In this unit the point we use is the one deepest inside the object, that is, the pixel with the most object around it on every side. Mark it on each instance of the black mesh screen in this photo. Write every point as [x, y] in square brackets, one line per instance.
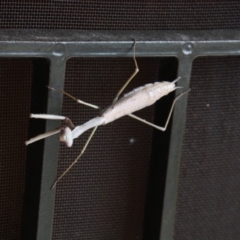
[15, 92]
[120, 15]
[208, 199]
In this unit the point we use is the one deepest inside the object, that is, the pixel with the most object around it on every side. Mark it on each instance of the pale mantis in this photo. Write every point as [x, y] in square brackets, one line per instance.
[133, 101]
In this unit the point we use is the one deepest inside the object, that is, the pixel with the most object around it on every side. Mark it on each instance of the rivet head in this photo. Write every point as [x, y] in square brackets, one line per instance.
[187, 48]
[58, 49]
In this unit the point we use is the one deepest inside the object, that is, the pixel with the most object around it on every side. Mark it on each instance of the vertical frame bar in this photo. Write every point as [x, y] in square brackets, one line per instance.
[178, 127]
[50, 157]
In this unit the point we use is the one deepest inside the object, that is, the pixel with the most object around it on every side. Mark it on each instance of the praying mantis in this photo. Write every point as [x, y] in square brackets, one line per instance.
[133, 101]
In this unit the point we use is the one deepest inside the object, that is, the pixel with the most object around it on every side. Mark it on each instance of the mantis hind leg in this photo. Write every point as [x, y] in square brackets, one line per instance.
[168, 119]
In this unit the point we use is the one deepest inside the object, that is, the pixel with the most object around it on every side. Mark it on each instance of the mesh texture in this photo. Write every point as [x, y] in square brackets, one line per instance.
[208, 199]
[120, 15]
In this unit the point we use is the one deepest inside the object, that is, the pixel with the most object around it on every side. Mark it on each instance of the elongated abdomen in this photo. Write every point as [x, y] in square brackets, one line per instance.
[138, 99]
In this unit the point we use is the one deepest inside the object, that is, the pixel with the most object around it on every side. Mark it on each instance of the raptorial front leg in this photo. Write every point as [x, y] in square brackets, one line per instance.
[53, 117]
[52, 132]
[42, 136]
[131, 77]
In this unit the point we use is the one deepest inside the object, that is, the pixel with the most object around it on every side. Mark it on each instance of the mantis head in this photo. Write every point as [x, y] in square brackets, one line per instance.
[66, 136]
